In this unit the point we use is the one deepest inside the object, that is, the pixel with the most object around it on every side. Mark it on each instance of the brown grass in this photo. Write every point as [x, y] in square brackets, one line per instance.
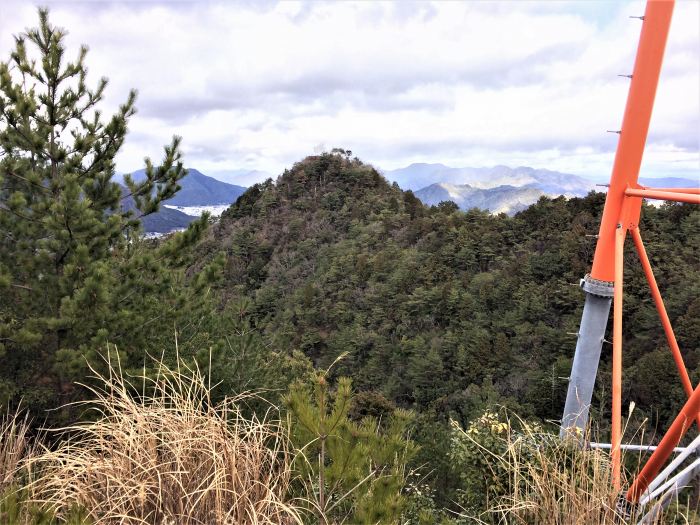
[171, 456]
[554, 482]
[15, 446]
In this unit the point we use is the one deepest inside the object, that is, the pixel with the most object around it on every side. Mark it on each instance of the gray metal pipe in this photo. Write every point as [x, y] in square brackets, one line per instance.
[591, 335]
[634, 448]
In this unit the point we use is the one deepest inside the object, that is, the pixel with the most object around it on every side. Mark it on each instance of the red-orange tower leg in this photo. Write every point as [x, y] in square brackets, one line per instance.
[616, 430]
[620, 210]
[633, 135]
[621, 213]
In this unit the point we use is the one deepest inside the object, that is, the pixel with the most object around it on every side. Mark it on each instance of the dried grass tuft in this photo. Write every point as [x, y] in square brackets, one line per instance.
[168, 456]
[15, 446]
[555, 482]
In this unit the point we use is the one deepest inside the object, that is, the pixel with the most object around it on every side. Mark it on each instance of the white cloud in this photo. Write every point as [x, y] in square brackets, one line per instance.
[464, 83]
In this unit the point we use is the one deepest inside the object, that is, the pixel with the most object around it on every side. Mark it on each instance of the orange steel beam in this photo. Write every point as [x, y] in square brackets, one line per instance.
[616, 439]
[633, 135]
[663, 195]
[665, 321]
[673, 436]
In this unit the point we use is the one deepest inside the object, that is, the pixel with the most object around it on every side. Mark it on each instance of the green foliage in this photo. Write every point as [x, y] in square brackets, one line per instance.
[514, 471]
[74, 272]
[353, 471]
[450, 313]
[478, 457]
[440, 312]
[246, 360]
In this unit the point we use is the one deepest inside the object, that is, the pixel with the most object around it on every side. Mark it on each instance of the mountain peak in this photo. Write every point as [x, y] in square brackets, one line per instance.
[198, 189]
[332, 171]
[327, 184]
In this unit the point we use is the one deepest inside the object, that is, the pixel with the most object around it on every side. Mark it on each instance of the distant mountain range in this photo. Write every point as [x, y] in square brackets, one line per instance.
[198, 192]
[418, 176]
[670, 182]
[502, 199]
[500, 189]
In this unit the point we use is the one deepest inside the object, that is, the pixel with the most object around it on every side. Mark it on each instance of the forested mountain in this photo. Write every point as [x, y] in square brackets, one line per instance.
[447, 312]
[502, 199]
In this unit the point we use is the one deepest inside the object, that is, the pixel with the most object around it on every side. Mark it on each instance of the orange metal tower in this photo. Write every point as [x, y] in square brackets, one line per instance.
[620, 216]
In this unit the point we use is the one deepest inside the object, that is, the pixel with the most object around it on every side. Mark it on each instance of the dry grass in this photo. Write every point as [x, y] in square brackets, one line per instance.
[170, 456]
[554, 482]
[15, 446]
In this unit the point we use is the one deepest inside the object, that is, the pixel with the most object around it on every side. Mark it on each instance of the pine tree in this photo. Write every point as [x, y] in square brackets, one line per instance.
[72, 266]
[353, 471]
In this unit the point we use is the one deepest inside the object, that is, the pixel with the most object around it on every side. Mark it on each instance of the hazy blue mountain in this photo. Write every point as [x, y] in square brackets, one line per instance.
[163, 221]
[420, 175]
[417, 176]
[669, 182]
[502, 199]
[200, 190]
[243, 177]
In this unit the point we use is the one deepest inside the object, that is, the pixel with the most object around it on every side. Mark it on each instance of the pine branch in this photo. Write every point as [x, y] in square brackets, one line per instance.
[43, 188]
[21, 216]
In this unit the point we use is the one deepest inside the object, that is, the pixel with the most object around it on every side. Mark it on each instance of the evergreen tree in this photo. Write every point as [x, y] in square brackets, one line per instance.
[72, 265]
[353, 471]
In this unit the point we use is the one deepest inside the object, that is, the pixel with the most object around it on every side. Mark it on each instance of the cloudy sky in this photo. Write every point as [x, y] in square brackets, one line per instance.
[259, 85]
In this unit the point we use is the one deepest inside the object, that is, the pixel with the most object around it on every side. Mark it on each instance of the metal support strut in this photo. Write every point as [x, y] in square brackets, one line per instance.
[591, 335]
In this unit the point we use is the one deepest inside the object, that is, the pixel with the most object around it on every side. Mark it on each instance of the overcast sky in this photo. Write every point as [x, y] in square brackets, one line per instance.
[259, 85]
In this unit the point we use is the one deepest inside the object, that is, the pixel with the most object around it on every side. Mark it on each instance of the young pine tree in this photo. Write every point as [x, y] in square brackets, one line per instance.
[72, 266]
[352, 471]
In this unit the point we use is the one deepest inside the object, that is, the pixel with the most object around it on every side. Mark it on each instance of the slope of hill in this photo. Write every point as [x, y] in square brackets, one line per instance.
[502, 199]
[166, 220]
[418, 176]
[336, 261]
[200, 190]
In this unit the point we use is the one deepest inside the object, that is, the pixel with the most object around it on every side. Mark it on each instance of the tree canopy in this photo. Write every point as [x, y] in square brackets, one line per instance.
[74, 274]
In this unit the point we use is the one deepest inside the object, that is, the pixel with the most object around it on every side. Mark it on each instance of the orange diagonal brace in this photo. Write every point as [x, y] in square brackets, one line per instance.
[665, 321]
[616, 440]
[664, 195]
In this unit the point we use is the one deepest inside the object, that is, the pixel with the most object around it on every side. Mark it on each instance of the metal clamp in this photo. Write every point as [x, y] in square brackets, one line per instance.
[596, 287]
